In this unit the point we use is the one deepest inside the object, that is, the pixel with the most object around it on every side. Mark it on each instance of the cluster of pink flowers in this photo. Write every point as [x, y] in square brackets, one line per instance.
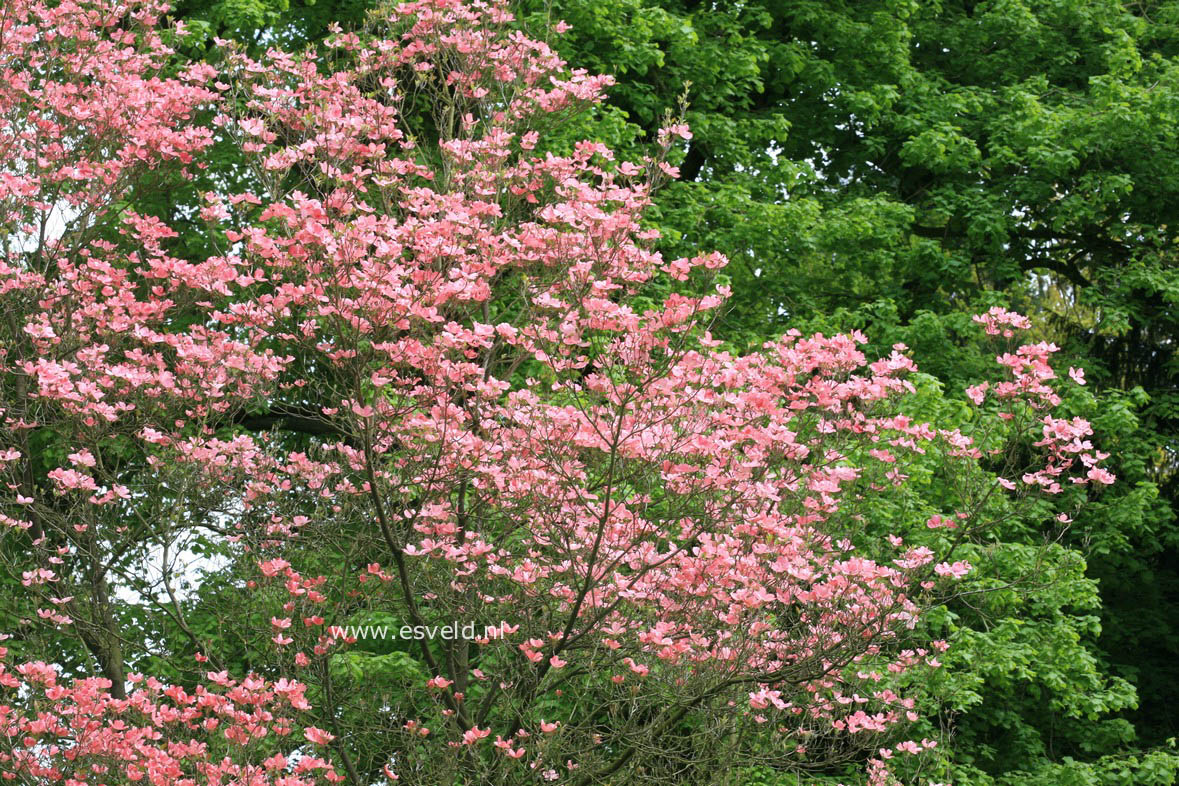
[1064, 441]
[75, 732]
[1000, 321]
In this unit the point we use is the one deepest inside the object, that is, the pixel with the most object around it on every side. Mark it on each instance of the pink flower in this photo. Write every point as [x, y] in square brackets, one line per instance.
[273, 567]
[317, 736]
[977, 393]
[957, 569]
[474, 734]
[1100, 475]
[997, 319]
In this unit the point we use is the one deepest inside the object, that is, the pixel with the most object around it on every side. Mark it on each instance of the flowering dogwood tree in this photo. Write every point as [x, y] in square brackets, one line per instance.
[438, 374]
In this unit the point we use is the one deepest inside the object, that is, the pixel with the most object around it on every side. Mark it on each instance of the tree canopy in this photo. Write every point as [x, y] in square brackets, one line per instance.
[880, 169]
